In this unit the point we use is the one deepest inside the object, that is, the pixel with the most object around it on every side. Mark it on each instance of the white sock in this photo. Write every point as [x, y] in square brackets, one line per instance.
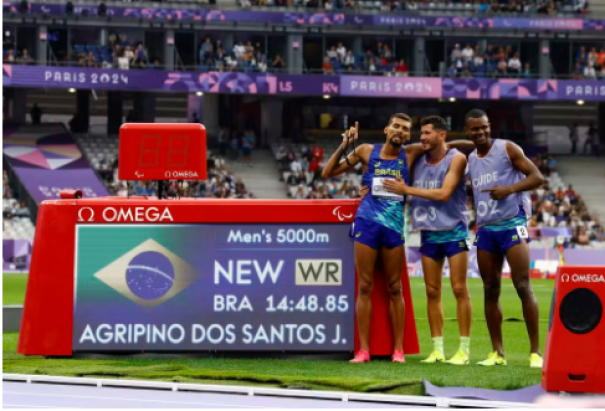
[465, 345]
[438, 344]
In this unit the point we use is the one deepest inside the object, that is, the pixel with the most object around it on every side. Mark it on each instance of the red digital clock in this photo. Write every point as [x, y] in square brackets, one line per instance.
[162, 152]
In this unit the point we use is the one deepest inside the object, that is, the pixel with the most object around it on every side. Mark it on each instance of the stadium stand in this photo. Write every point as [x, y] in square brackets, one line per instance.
[247, 58]
[16, 223]
[299, 166]
[462, 7]
[102, 153]
[119, 53]
[559, 205]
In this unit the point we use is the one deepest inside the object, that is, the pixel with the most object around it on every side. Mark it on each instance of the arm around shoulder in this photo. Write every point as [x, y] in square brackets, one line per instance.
[465, 146]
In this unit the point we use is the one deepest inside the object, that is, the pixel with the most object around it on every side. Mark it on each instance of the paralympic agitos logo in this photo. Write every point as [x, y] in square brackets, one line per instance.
[126, 214]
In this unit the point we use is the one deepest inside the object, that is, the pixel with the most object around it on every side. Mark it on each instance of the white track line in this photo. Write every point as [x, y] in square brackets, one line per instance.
[29, 394]
[33, 406]
[264, 392]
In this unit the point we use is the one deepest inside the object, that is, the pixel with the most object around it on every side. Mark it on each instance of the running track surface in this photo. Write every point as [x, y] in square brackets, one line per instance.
[22, 395]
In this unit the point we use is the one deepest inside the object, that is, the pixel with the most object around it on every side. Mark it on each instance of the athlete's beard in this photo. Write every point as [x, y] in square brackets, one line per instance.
[394, 144]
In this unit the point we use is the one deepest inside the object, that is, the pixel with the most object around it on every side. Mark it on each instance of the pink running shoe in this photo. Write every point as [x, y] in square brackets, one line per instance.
[361, 357]
[398, 357]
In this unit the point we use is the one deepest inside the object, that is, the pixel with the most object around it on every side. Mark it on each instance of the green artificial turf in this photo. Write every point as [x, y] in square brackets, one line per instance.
[13, 288]
[377, 376]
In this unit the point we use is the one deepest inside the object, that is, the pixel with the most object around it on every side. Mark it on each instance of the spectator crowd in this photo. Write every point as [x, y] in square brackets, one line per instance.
[550, 7]
[246, 57]
[589, 65]
[300, 168]
[560, 207]
[377, 60]
[22, 59]
[120, 53]
[13, 209]
[498, 62]
[221, 183]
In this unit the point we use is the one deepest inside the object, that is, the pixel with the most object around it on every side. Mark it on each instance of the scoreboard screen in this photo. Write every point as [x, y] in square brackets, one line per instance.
[188, 287]
[162, 152]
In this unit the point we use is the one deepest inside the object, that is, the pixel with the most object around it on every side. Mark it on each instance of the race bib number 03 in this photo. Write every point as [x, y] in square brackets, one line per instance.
[522, 231]
[378, 190]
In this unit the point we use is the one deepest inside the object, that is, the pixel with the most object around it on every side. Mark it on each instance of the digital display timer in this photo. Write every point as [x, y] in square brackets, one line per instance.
[162, 152]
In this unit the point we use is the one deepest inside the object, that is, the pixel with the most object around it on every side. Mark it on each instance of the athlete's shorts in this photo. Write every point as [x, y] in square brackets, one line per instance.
[498, 242]
[374, 235]
[437, 251]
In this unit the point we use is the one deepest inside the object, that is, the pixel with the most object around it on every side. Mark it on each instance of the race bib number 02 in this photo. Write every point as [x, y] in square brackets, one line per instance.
[378, 190]
[522, 231]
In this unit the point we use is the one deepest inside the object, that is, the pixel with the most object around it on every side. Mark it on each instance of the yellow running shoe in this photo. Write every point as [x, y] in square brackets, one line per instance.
[460, 358]
[436, 356]
[493, 359]
[535, 361]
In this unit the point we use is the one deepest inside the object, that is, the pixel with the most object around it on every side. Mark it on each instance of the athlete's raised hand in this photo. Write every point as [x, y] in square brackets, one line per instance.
[350, 135]
[397, 185]
[498, 192]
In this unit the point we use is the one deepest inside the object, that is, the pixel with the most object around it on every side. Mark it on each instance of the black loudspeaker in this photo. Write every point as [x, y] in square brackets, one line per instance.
[102, 12]
[69, 8]
[574, 358]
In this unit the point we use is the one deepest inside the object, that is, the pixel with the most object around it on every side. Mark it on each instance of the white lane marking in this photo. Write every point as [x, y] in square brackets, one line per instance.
[33, 406]
[131, 399]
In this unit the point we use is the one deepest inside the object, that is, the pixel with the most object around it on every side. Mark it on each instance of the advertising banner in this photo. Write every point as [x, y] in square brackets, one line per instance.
[48, 164]
[544, 260]
[373, 86]
[186, 287]
[160, 80]
[335, 18]
[302, 85]
[16, 254]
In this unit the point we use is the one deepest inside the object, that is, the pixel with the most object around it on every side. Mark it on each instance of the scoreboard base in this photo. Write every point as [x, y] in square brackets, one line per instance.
[123, 275]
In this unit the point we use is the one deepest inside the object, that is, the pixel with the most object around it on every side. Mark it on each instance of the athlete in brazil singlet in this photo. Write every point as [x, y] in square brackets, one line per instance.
[379, 219]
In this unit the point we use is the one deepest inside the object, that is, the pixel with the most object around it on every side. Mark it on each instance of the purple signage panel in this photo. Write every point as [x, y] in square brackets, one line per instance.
[16, 254]
[320, 18]
[46, 165]
[220, 287]
[302, 85]
[542, 24]
[48, 184]
[538, 257]
[185, 81]
[371, 86]
[430, 22]
[191, 14]
[496, 89]
[581, 90]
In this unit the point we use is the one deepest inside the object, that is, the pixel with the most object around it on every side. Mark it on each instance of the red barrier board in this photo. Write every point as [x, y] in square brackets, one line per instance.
[48, 316]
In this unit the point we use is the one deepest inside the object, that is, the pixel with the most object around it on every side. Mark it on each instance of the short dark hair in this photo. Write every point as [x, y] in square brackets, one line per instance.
[438, 123]
[400, 116]
[475, 113]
